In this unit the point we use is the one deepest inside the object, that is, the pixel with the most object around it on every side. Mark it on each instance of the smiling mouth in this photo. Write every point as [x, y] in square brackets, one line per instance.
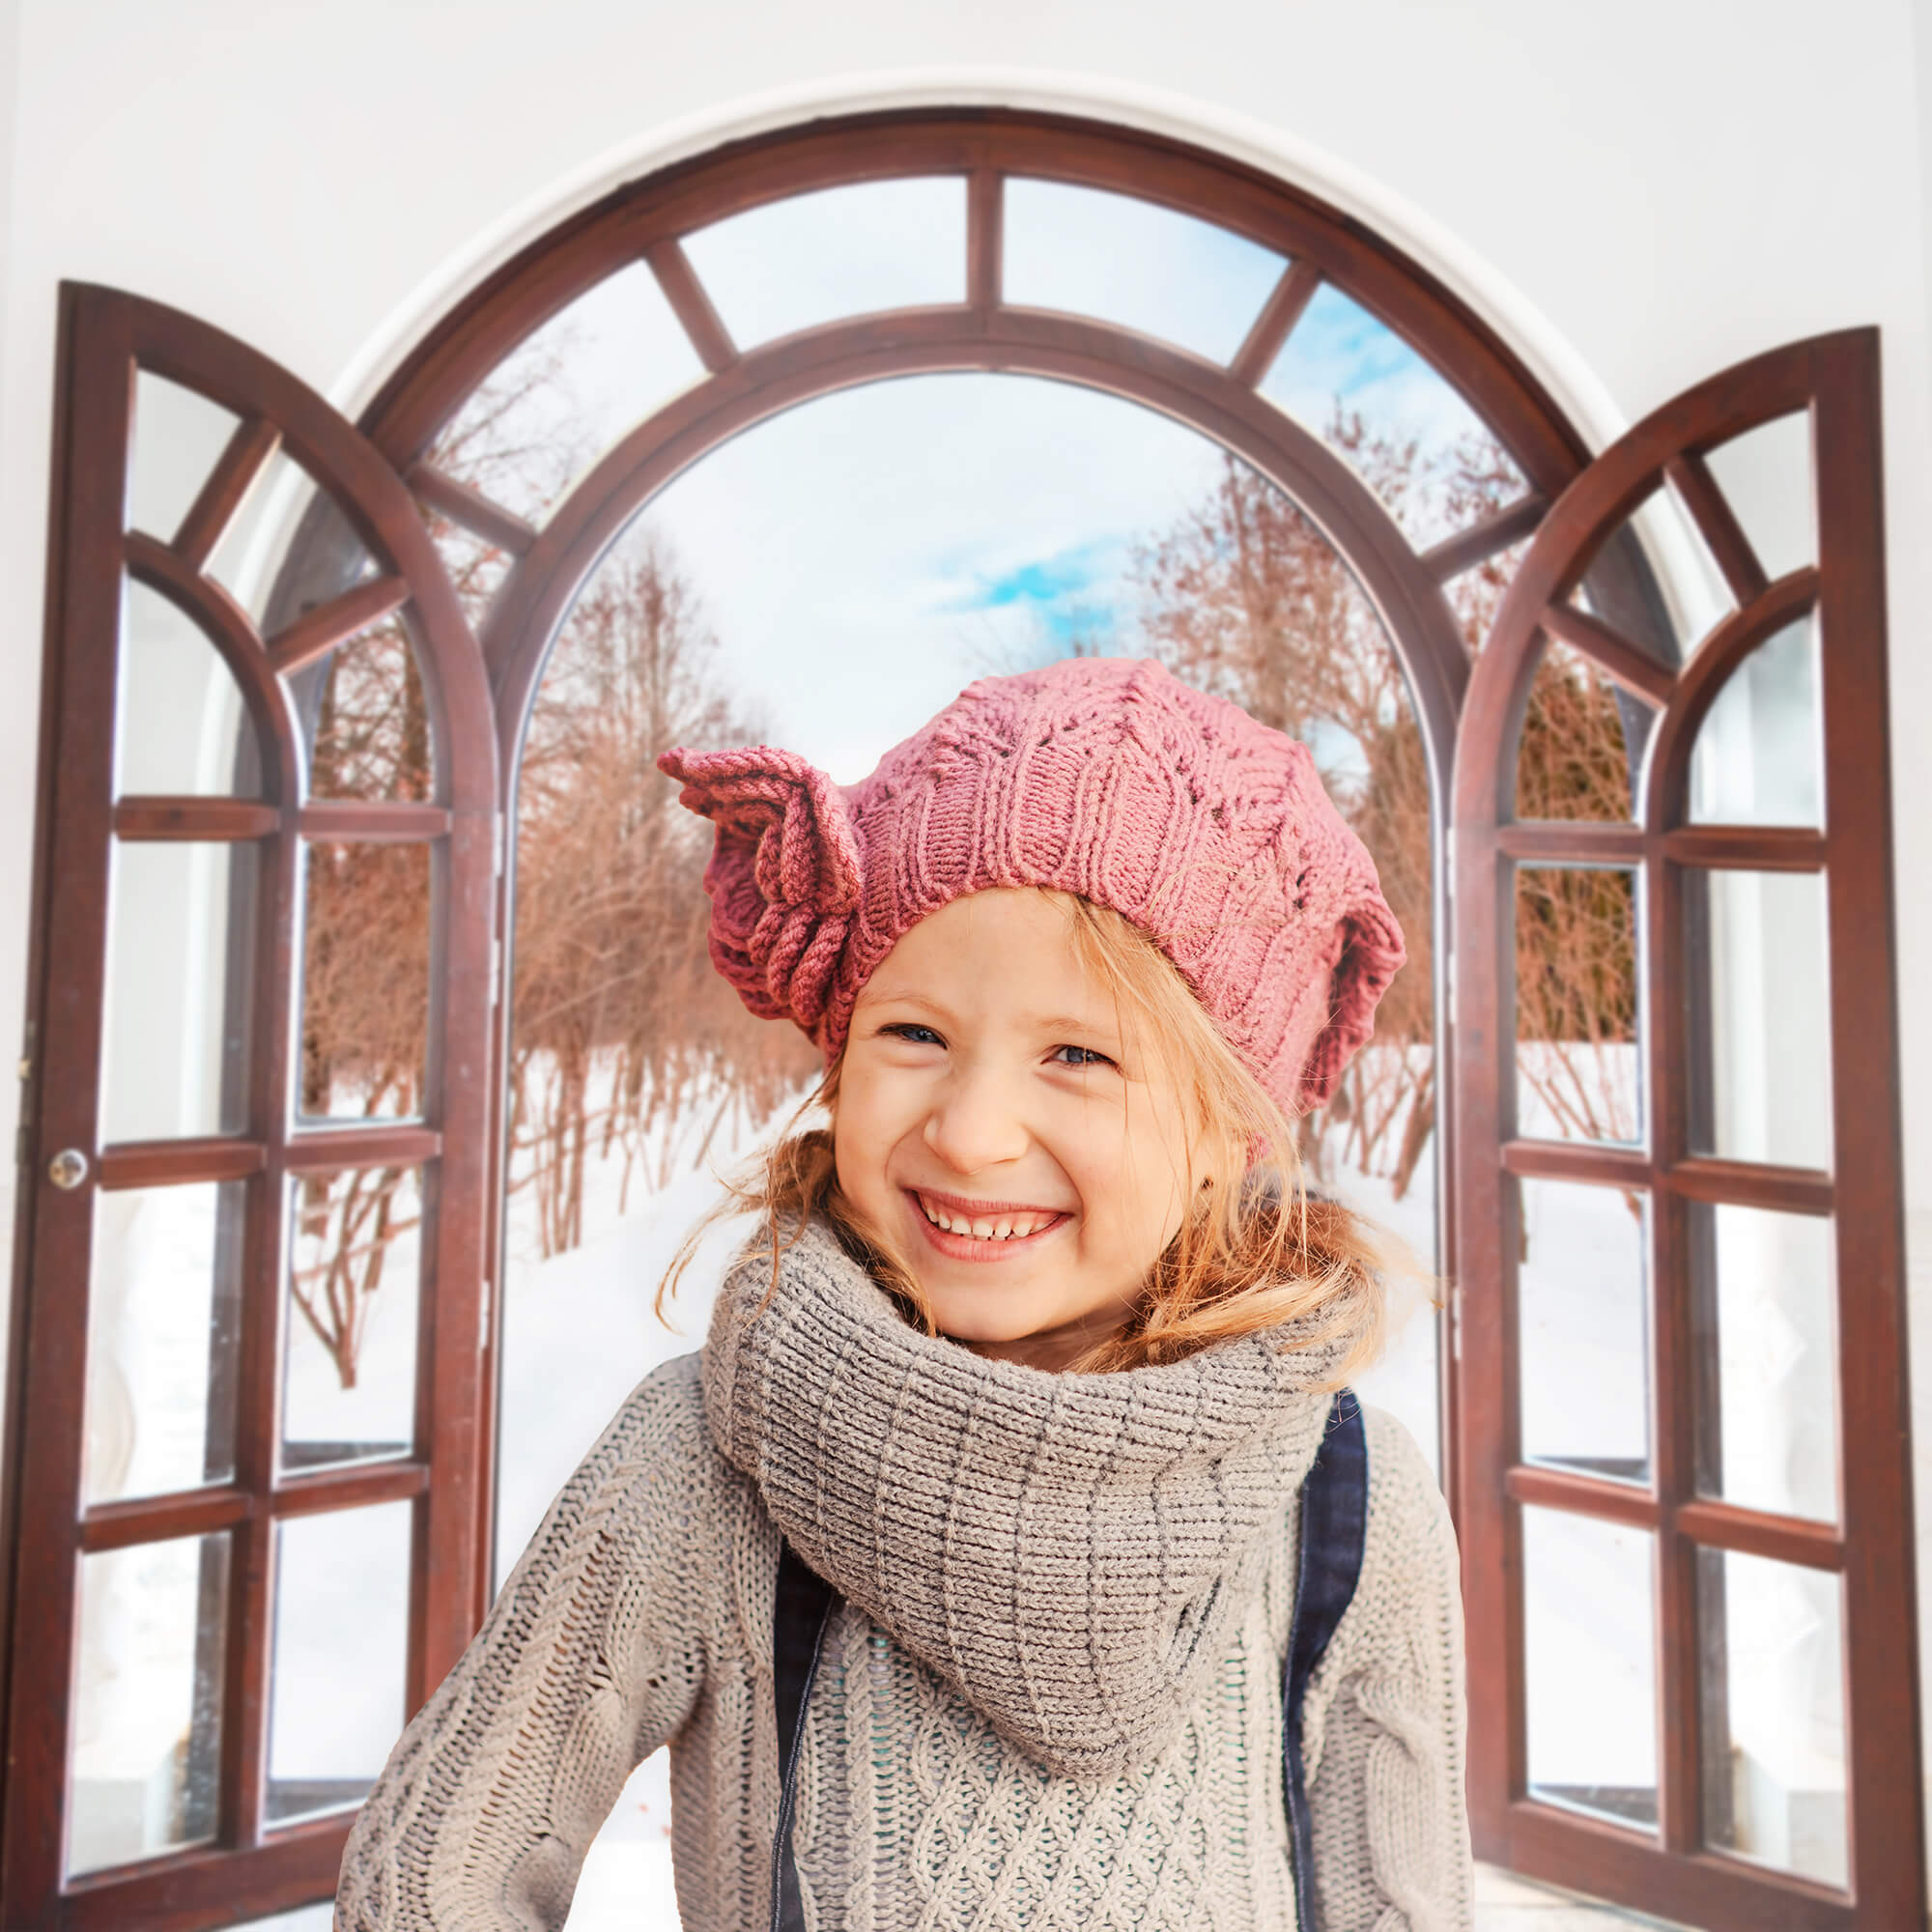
[991, 1222]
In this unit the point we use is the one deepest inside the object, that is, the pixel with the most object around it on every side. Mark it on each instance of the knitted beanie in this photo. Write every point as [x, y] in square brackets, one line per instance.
[1102, 777]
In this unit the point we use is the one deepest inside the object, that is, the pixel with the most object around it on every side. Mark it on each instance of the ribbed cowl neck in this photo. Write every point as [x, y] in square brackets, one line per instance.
[1067, 1550]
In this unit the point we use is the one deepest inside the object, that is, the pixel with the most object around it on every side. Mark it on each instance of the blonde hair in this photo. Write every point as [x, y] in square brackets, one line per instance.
[1256, 1250]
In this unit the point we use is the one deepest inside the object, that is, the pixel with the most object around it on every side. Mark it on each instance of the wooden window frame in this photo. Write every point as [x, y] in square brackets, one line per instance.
[645, 220]
[250, 1867]
[1834, 381]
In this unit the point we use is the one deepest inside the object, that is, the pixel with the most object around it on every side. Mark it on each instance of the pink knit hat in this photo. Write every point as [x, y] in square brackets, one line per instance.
[1102, 776]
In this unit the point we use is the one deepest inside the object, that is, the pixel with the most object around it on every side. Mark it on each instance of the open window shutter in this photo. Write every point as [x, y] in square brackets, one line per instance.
[243, 1460]
[1693, 1678]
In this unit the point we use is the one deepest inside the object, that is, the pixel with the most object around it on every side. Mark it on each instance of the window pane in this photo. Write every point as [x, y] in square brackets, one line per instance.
[146, 1714]
[1590, 1665]
[567, 392]
[1765, 477]
[1771, 1643]
[1581, 748]
[1583, 1327]
[1655, 582]
[178, 437]
[1765, 1301]
[1476, 595]
[812, 258]
[180, 726]
[1578, 1075]
[1758, 758]
[335, 1697]
[1760, 1070]
[354, 1263]
[181, 936]
[288, 549]
[163, 1327]
[372, 737]
[365, 980]
[1119, 259]
[1354, 383]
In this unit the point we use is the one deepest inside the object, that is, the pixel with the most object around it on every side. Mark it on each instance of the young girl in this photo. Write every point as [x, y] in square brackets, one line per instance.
[960, 1568]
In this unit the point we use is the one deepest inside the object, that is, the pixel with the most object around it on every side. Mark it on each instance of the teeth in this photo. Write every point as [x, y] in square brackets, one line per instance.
[1003, 1227]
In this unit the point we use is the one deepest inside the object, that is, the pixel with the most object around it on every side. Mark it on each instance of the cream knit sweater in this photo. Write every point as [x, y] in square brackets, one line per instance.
[1051, 1698]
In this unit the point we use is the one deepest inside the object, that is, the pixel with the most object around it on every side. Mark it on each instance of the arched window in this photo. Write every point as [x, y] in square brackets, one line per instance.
[311, 1003]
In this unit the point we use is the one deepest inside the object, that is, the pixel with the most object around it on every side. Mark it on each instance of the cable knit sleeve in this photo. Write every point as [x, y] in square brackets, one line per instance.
[1068, 1551]
[1384, 1718]
[593, 1656]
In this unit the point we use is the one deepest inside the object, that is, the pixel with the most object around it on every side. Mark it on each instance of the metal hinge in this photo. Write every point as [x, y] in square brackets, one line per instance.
[1456, 1324]
[485, 1314]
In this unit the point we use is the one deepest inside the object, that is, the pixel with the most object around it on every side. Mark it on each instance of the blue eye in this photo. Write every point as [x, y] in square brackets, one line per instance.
[913, 1033]
[1083, 1056]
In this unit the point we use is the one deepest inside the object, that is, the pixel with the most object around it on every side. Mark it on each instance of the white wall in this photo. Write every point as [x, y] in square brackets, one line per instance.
[1642, 193]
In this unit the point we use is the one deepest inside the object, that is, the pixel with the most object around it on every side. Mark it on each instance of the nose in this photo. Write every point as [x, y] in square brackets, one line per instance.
[974, 1123]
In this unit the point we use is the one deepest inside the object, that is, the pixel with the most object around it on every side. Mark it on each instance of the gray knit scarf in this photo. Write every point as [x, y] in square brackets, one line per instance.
[1068, 1551]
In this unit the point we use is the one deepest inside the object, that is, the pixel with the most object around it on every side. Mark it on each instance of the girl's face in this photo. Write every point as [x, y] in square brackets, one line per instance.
[995, 1122]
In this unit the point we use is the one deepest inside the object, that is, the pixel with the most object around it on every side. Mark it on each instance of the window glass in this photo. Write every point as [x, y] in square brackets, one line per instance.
[1132, 262]
[1580, 751]
[1764, 1301]
[181, 938]
[365, 980]
[1354, 383]
[178, 437]
[370, 735]
[1765, 477]
[348, 1392]
[163, 1339]
[180, 726]
[341, 1643]
[1579, 1066]
[1772, 1651]
[288, 549]
[1759, 1076]
[1583, 1329]
[147, 1701]
[1590, 1665]
[812, 258]
[1654, 581]
[567, 392]
[1758, 759]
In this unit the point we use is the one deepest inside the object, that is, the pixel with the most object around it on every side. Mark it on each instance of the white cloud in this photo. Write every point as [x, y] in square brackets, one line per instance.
[844, 549]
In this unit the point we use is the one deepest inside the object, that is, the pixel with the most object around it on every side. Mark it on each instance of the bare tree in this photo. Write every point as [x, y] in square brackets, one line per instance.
[1242, 596]
[621, 1027]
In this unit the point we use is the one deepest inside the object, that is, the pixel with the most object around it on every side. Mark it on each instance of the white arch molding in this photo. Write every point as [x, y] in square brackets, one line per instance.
[1240, 137]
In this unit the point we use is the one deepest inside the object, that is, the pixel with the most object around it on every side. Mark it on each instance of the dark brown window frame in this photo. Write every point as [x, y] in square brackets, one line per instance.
[644, 220]
[1835, 381]
[107, 337]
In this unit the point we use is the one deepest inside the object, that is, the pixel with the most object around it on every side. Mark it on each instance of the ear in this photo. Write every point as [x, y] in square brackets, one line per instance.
[784, 880]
